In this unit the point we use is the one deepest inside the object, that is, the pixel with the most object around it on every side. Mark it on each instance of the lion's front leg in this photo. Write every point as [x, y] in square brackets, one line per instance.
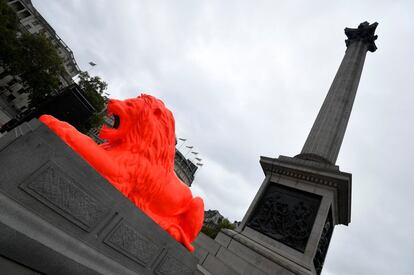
[62, 129]
[81, 144]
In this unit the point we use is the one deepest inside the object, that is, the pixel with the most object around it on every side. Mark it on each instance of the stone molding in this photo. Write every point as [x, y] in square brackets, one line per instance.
[333, 179]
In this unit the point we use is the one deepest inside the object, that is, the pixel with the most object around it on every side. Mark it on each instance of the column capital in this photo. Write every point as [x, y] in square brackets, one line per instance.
[365, 33]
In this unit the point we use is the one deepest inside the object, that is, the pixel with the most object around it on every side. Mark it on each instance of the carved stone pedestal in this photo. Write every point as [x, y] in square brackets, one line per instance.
[295, 210]
[288, 226]
[58, 216]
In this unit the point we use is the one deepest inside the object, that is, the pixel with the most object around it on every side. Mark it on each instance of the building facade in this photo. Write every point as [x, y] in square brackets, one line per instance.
[184, 168]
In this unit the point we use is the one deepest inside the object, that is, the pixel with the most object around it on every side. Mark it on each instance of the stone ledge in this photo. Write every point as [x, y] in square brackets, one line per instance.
[270, 255]
[58, 216]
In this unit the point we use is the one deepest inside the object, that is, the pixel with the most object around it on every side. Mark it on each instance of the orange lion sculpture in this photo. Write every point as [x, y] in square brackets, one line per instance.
[138, 159]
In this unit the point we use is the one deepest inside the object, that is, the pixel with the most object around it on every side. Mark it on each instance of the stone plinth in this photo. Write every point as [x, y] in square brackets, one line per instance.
[288, 226]
[294, 212]
[58, 216]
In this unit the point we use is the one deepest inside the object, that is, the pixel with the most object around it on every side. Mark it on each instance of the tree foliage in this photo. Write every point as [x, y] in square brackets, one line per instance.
[33, 57]
[39, 65]
[8, 31]
[93, 89]
[213, 231]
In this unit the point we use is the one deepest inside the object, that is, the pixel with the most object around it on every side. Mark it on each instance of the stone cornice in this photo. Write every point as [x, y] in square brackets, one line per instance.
[365, 33]
[328, 178]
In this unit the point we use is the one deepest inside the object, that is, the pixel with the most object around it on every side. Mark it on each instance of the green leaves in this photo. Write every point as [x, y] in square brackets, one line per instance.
[33, 57]
[8, 32]
[213, 231]
[93, 89]
[39, 65]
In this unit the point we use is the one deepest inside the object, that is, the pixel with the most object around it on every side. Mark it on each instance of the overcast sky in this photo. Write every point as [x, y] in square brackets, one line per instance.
[246, 79]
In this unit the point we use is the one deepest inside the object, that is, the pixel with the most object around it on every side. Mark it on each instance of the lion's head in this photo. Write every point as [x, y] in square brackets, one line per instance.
[143, 125]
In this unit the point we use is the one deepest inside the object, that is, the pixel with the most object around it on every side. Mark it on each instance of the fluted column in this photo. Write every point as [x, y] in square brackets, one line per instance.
[325, 138]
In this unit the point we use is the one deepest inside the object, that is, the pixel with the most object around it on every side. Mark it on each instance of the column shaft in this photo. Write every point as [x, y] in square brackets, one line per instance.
[325, 138]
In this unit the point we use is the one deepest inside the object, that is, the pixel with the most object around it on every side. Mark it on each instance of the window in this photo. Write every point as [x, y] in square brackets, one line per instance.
[12, 82]
[4, 74]
[24, 14]
[10, 97]
[17, 6]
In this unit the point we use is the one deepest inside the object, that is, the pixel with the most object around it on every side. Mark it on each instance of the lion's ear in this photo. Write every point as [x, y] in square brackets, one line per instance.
[157, 112]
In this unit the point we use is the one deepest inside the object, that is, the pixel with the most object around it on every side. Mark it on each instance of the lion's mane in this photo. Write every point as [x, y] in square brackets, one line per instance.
[143, 145]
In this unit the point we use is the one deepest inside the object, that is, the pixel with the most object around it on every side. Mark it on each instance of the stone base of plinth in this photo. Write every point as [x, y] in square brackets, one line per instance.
[288, 226]
[58, 216]
[232, 253]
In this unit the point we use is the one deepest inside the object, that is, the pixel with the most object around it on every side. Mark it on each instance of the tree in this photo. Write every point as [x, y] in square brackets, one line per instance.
[93, 89]
[213, 231]
[39, 65]
[8, 32]
[33, 57]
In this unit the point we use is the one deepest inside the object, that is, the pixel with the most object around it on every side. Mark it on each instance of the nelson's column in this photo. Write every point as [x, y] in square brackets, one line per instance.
[289, 224]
